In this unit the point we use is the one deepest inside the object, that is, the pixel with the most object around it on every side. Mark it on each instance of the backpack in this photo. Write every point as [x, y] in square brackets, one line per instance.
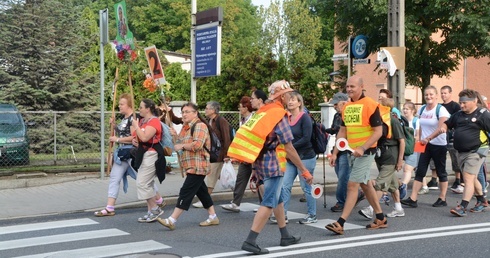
[437, 110]
[409, 136]
[319, 137]
[166, 140]
[215, 144]
[232, 130]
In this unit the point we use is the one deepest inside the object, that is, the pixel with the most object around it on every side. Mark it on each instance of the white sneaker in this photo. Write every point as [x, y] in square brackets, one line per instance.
[423, 190]
[366, 212]
[396, 213]
[458, 190]
[197, 204]
[231, 207]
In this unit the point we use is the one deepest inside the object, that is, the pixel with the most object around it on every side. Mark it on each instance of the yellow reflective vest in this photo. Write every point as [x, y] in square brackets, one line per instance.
[356, 119]
[250, 137]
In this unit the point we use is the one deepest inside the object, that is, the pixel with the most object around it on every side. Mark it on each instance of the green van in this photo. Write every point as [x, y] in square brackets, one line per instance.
[14, 143]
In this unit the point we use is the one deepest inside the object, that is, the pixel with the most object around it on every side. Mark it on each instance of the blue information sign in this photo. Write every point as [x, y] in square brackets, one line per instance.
[207, 56]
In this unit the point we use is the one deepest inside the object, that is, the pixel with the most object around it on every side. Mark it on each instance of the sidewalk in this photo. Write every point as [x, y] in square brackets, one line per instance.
[89, 193]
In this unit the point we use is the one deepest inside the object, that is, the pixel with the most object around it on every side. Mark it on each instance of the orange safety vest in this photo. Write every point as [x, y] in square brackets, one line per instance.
[386, 117]
[356, 119]
[250, 137]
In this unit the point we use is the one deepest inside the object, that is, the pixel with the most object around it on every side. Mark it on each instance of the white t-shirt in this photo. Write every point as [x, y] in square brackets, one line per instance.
[429, 123]
[417, 125]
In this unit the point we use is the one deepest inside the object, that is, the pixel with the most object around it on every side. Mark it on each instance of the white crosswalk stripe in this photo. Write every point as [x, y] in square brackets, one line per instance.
[105, 251]
[296, 215]
[92, 251]
[46, 225]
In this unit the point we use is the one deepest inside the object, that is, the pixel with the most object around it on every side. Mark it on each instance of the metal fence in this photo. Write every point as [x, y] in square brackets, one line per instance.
[57, 138]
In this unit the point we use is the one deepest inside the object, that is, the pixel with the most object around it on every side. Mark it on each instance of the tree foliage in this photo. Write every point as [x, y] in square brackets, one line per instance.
[439, 33]
[40, 56]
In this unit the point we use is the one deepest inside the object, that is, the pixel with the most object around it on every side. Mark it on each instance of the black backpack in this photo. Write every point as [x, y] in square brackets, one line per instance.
[215, 144]
[319, 137]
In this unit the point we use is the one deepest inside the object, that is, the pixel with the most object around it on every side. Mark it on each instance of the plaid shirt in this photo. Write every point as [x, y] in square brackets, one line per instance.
[195, 161]
[268, 165]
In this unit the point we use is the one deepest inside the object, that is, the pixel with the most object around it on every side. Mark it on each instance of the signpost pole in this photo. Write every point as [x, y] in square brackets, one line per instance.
[193, 49]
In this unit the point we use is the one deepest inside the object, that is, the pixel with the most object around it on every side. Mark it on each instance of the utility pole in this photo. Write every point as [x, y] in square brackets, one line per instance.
[104, 39]
[396, 38]
[193, 48]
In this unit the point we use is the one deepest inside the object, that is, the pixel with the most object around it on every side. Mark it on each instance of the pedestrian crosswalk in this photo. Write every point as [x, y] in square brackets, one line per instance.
[246, 206]
[8, 241]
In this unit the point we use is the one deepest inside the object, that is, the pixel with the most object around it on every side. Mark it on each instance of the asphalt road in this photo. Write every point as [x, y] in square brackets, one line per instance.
[423, 232]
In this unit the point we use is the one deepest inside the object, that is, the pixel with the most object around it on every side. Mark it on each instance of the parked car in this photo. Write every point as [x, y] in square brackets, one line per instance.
[14, 143]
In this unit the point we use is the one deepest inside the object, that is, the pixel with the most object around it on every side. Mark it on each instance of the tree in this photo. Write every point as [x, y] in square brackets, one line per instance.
[439, 33]
[40, 42]
[292, 32]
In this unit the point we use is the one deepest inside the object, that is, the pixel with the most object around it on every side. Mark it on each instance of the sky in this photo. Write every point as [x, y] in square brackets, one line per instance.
[265, 3]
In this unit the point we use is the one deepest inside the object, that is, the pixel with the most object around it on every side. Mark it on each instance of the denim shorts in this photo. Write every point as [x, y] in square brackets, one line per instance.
[412, 160]
[272, 193]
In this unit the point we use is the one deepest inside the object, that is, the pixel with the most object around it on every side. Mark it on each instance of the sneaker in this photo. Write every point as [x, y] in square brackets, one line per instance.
[210, 222]
[439, 203]
[337, 208]
[403, 191]
[302, 199]
[231, 207]
[458, 190]
[433, 185]
[424, 190]
[385, 199]
[396, 213]
[409, 202]
[458, 211]
[273, 220]
[377, 224]
[166, 223]
[455, 185]
[197, 204]
[366, 212]
[479, 207]
[255, 210]
[151, 216]
[308, 220]
[144, 218]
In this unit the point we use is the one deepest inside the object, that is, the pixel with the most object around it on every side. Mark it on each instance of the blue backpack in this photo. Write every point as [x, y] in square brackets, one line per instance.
[166, 140]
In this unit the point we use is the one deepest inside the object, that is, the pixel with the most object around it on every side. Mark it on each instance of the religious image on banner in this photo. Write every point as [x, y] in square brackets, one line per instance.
[124, 35]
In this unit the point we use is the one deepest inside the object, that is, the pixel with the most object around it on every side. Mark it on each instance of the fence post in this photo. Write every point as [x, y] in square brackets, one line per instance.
[55, 147]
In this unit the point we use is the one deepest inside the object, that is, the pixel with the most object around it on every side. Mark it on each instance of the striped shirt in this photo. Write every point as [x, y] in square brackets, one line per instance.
[195, 161]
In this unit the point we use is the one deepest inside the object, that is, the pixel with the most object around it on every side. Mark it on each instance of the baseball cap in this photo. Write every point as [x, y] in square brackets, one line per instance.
[278, 88]
[339, 96]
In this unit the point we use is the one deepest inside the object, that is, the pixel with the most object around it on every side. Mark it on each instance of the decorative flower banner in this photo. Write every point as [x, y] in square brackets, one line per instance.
[124, 35]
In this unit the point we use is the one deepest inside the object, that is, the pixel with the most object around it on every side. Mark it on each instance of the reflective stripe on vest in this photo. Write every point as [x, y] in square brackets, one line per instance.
[356, 119]
[281, 157]
[386, 117]
[250, 137]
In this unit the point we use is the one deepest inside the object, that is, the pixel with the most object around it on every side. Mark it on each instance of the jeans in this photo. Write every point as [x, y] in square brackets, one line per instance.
[481, 176]
[291, 173]
[342, 169]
